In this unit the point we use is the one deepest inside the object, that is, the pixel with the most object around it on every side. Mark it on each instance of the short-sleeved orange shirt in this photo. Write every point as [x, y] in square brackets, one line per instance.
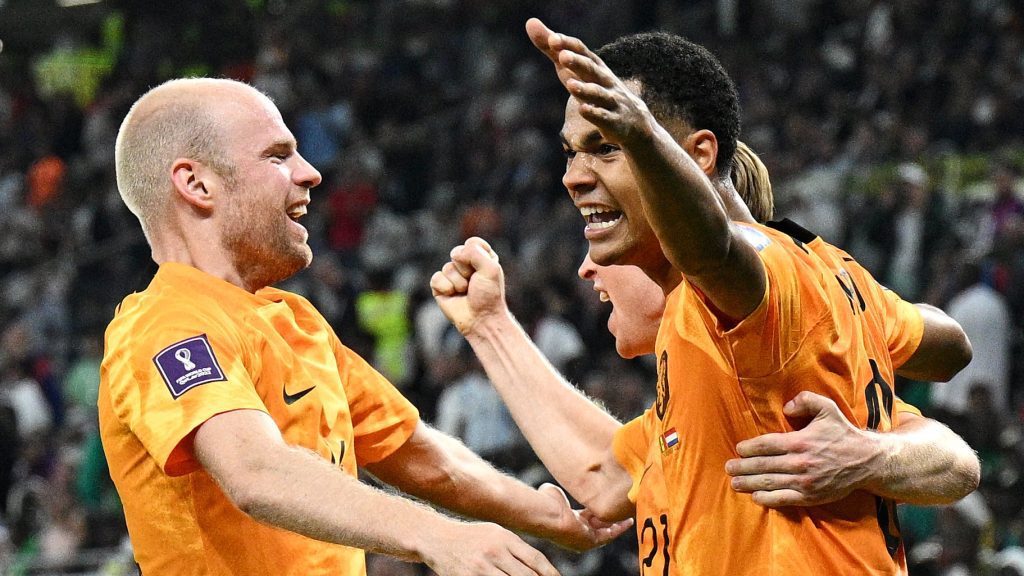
[718, 386]
[902, 321]
[191, 346]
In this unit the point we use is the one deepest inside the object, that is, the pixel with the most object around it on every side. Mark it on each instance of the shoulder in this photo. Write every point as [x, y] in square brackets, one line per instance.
[293, 299]
[301, 308]
[153, 323]
[778, 248]
[154, 310]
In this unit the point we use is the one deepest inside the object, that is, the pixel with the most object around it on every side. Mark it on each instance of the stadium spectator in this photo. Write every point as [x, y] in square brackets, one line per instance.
[985, 317]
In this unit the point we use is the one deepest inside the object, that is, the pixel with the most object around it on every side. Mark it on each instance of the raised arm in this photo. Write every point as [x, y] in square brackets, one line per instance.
[440, 469]
[920, 461]
[679, 200]
[294, 489]
[570, 434]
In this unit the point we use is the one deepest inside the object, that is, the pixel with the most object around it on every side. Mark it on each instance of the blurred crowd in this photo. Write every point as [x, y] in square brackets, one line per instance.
[890, 128]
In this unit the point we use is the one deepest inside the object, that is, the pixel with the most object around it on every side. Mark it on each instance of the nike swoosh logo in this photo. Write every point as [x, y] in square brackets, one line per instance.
[290, 399]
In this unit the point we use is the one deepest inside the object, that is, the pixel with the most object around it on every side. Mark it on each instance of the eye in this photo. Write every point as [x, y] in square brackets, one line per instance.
[606, 149]
[569, 153]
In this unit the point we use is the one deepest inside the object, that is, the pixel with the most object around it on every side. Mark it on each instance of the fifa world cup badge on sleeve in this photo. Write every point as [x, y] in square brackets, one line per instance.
[754, 237]
[187, 364]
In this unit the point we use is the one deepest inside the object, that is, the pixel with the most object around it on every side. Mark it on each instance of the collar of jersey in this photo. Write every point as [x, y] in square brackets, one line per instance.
[183, 275]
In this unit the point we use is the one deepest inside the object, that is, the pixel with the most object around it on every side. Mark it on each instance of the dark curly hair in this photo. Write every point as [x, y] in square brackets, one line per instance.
[680, 80]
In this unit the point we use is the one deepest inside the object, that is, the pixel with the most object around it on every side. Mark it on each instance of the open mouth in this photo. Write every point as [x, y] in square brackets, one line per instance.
[296, 212]
[599, 218]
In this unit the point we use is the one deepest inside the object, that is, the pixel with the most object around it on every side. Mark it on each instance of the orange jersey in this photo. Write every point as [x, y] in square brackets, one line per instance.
[718, 386]
[900, 320]
[192, 346]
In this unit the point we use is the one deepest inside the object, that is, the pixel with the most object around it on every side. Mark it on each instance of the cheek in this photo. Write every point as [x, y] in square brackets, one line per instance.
[653, 303]
[627, 198]
[640, 315]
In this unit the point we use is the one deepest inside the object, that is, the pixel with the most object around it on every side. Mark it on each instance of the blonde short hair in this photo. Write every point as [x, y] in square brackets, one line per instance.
[163, 125]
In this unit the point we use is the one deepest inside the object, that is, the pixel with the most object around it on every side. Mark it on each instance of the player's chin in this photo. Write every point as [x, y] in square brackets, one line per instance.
[617, 246]
[605, 252]
[304, 256]
[626, 348]
[299, 257]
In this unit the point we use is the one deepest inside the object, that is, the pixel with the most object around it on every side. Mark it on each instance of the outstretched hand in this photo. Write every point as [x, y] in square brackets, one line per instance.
[471, 286]
[463, 549]
[820, 463]
[581, 530]
[604, 99]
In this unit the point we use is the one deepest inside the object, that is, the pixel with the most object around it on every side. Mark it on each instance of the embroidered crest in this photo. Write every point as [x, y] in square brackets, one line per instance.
[663, 391]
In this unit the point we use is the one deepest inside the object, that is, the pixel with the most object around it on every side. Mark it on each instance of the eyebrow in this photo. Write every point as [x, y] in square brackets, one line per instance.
[588, 139]
[279, 146]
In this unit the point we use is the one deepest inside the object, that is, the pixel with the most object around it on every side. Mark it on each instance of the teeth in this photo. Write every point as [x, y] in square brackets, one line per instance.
[603, 296]
[603, 225]
[587, 211]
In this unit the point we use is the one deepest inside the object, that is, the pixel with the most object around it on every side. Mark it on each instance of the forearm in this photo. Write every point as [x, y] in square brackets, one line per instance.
[440, 469]
[683, 208]
[570, 434]
[466, 484]
[692, 224]
[292, 488]
[443, 471]
[923, 462]
[289, 492]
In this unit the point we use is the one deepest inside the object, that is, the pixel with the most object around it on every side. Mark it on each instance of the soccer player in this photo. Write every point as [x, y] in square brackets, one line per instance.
[944, 349]
[922, 461]
[752, 315]
[233, 419]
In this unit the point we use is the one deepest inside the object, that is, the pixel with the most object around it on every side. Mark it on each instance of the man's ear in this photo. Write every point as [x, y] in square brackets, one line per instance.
[702, 146]
[194, 182]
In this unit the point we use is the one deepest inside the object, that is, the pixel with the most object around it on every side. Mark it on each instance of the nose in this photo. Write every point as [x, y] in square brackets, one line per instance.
[579, 177]
[305, 174]
[587, 269]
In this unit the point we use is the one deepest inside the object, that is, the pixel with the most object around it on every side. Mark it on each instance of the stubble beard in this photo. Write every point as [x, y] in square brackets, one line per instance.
[262, 251]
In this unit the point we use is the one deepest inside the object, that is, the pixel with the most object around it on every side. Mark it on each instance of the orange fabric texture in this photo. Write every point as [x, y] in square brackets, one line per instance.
[904, 325]
[192, 346]
[719, 386]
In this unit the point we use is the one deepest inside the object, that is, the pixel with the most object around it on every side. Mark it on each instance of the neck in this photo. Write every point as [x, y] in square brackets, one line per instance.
[734, 206]
[199, 249]
[663, 273]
